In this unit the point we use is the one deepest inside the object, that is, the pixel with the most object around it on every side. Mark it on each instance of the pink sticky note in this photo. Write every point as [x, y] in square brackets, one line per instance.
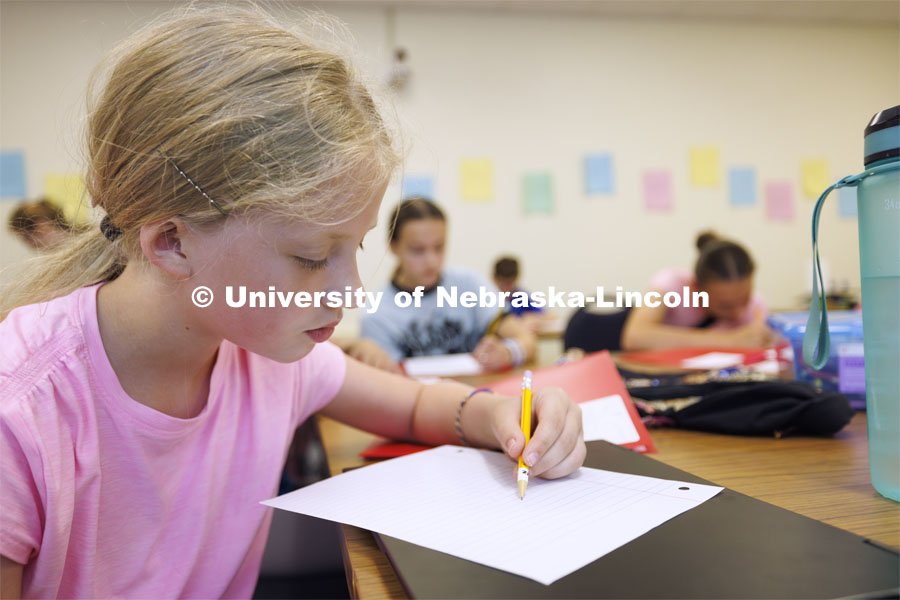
[657, 190]
[779, 201]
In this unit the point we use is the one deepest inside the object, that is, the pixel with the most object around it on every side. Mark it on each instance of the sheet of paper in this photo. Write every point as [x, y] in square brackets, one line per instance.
[742, 186]
[657, 190]
[67, 191]
[847, 206]
[598, 174]
[418, 185]
[705, 168]
[713, 360]
[12, 174]
[608, 419]
[464, 502]
[779, 201]
[537, 193]
[443, 365]
[815, 177]
[477, 179]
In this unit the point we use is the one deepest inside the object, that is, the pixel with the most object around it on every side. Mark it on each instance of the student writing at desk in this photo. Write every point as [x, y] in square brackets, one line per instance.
[418, 238]
[141, 424]
[736, 313]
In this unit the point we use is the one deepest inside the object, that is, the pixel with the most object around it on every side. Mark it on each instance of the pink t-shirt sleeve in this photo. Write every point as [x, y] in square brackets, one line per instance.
[20, 497]
[668, 280]
[321, 377]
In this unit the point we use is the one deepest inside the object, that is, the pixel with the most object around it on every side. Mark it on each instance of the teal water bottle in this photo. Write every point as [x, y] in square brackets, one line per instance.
[878, 202]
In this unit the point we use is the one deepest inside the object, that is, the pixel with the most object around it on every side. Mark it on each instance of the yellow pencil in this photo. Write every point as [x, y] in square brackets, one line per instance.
[523, 470]
[495, 324]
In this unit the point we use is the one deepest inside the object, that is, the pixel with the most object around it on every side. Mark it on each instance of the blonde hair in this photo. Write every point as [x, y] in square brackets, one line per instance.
[259, 116]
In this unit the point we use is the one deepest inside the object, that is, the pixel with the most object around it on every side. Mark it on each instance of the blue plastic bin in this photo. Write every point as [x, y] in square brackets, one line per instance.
[845, 370]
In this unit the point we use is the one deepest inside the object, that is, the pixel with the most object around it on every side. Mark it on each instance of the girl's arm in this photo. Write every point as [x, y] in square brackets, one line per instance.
[10, 578]
[404, 409]
[644, 330]
[493, 354]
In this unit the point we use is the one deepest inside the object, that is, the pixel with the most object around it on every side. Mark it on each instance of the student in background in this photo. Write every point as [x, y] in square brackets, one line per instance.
[39, 223]
[391, 334]
[506, 278]
[735, 316]
[141, 425]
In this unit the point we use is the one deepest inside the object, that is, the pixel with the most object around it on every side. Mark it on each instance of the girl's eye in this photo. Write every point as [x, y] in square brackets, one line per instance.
[312, 265]
[361, 246]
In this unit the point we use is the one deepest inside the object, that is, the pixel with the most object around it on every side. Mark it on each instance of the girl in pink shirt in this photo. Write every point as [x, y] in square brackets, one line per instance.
[735, 315]
[142, 425]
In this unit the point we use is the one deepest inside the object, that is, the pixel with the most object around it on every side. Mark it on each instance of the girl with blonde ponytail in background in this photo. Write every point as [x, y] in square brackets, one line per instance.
[140, 429]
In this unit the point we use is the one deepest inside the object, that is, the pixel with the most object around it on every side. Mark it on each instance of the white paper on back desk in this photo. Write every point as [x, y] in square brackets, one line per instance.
[464, 502]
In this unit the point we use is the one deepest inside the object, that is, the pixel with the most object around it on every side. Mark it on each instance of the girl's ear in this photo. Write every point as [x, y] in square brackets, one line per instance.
[161, 245]
[393, 247]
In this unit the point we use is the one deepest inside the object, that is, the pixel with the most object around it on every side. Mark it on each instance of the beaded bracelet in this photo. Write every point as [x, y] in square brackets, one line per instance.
[459, 433]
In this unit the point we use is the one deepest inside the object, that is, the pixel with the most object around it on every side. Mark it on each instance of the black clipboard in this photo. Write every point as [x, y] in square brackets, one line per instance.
[731, 546]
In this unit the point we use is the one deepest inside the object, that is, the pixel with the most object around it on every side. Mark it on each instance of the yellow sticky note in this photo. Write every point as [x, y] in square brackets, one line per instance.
[477, 179]
[705, 169]
[67, 191]
[815, 177]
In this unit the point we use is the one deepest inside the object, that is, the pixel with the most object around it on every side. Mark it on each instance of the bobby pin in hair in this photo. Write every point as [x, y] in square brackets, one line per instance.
[191, 181]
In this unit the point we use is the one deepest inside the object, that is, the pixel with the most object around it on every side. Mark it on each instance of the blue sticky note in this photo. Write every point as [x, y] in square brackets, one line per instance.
[418, 185]
[598, 174]
[12, 174]
[742, 186]
[847, 202]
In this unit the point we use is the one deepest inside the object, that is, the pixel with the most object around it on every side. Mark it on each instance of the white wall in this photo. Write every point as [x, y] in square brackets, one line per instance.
[537, 90]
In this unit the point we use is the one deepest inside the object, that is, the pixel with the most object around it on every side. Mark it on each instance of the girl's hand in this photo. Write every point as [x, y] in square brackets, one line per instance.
[492, 354]
[557, 446]
[755, 334]
[370, 353]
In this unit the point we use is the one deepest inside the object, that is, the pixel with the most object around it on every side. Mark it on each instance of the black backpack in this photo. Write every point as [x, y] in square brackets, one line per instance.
[748, 408]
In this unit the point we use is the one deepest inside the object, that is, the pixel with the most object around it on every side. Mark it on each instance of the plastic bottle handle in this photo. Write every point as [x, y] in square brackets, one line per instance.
[816, 340]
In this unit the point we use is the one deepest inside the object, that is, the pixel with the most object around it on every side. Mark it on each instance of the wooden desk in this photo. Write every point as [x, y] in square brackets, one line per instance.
[823, 478]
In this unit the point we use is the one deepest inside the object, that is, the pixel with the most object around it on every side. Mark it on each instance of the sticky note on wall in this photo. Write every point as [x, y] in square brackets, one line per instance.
[537, 193]
[657, 190]
[742, 186]
[12, 174]
[815, 177]
[847, 206]
[704, 166]
[779, 201]
[67, 191]
[598, 174]
[418, 185]
[477, 179]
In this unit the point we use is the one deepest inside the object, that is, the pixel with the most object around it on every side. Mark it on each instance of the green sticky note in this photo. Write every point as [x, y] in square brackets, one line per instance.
[537, 193]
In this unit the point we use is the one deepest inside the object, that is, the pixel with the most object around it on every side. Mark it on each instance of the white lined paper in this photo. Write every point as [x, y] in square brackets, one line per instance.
[464, 502]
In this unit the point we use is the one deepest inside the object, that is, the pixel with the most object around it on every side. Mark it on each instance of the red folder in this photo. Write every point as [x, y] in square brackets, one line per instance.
[592, 377]
[673, 357]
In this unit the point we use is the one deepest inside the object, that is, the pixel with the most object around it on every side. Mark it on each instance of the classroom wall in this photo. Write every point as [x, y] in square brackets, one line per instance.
[538, 91]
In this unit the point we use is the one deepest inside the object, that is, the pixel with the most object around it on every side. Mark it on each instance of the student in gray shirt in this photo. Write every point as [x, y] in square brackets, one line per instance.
[436, 326]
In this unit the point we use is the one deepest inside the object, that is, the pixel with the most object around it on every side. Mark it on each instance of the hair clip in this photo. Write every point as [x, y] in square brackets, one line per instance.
[217, 206]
